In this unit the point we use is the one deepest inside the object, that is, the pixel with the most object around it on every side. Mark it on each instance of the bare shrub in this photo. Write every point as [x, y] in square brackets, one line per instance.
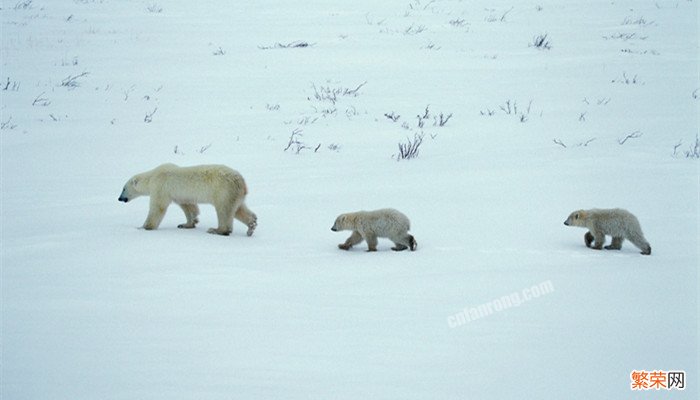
[154, 8]
[694, 149]
[410, 148]
[541, 42]
[331, 94]
[633, 135]
[298, 44]
[71, 81]
[149, 116]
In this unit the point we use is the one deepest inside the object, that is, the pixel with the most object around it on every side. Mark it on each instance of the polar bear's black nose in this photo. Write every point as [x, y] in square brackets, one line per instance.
[124, 199]
[566, 223]
[333, 229]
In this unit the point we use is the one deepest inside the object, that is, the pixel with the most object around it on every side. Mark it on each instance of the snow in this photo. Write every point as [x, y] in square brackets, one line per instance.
[94, 308]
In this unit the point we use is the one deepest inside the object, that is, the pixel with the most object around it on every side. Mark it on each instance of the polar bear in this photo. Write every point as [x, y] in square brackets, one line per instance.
[616, 222]
[218, 185]
[370, 225]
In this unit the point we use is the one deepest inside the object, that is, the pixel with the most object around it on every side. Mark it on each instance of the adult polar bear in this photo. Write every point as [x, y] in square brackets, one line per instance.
[218, 185]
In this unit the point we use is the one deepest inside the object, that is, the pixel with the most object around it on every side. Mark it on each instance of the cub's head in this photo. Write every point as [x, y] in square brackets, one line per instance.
[576, 218]
[341, 223]
[133, 188]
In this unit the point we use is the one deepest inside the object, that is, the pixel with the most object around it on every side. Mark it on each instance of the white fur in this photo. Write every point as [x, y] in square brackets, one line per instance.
[616, 222]
[370, 225]
[188, 186]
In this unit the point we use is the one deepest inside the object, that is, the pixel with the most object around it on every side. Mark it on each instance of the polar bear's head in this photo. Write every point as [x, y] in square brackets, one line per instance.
[577, 218]
[341, 223]
[133, 188]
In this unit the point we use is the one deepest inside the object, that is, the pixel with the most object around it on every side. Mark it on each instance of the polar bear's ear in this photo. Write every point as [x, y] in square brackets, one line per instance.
[135, 181]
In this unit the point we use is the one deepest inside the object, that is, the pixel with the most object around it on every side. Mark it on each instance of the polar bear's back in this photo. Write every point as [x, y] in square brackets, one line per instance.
[385, 220]
[201, 183]
[614, 222]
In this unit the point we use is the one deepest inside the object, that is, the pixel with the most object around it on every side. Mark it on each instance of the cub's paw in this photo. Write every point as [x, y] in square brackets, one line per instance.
[251, 228]
[218, 232]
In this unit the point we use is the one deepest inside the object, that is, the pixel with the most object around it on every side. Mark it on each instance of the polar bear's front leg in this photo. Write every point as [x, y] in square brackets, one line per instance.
[371, 241]
[156, 213]
[598, 240]
[191, 212]
[354, 239]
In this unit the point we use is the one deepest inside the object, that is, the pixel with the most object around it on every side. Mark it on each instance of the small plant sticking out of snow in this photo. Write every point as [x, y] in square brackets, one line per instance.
[7, 124]
[71, 81]
[441, 120]
[23, 5]
[457, 23]
[149, 116]
[154, 8]
[11, 86]
[392, 116]
[626, 80]
[296, 145]
[298, 44]
[41, 101]
[414, 30]
[541, 42]
[204, 148]
[498, 17]
[510, 107]
[410, 148]
[438, 120]
[559, 142]
[332, 94]
[641, 21]
[633, 135]
[694, 149]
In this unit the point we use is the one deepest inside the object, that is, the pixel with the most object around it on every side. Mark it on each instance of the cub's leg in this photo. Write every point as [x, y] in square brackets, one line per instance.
[616, 243]
[399, 247]
[412, 243]
[641, 244]
[599, 240]
[371, 241]
[156, 213]
[354, 239]
[403, 242]
[191, 212]
[588, 238]
[248, 217]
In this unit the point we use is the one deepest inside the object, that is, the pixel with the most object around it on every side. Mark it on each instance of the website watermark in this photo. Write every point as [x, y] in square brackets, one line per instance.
[657, 380]
[515, 299]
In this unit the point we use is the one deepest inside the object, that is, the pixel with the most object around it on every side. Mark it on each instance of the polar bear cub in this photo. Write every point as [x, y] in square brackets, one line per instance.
[370, 225]
[218, 185]
[616, 222]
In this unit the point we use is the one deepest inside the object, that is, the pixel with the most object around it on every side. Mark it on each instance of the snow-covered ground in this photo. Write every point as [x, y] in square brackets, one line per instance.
[602, 114]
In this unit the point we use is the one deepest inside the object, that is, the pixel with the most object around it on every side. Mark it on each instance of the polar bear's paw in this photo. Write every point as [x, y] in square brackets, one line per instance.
[219, 232]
